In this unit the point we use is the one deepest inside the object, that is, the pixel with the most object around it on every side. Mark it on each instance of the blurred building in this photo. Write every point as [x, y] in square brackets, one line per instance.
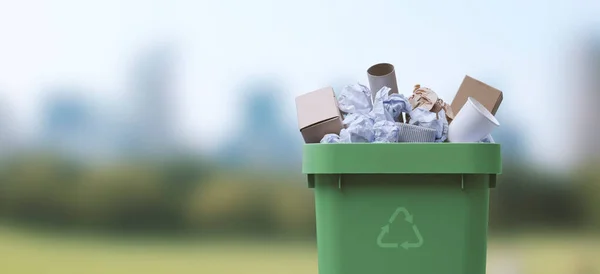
[7, 134]
[586, 85]
[152, 86]
[263, 139]
[68, 124]
[77, 125]
[510, 137]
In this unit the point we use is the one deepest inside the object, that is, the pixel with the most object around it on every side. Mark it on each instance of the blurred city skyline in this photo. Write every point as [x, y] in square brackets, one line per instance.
[74, 121]
[522, 56]
[76, 124]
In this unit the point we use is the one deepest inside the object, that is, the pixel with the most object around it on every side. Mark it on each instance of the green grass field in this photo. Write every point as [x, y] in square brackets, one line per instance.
[28, 252]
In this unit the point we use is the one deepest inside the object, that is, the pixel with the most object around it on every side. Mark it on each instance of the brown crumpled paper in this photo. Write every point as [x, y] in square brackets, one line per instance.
[423, 97]
[449, 113]
[427, 99]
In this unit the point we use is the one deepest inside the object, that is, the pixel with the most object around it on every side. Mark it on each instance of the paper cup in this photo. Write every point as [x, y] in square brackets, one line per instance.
[472, 123]
[382, 75]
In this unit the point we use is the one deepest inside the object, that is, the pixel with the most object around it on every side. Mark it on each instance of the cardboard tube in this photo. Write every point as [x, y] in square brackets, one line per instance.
[380, 75]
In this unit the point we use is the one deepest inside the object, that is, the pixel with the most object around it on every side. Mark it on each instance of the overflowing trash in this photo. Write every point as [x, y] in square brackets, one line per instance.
[361, 115]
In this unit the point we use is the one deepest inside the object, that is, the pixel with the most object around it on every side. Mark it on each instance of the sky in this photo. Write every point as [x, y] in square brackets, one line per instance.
[516, 46]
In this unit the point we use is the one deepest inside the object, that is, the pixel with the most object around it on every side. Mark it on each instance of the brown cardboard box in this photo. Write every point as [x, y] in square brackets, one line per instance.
[483, 93]
[318, 114]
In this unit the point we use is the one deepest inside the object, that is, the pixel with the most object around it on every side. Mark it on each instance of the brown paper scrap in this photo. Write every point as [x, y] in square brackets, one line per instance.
[427, 99]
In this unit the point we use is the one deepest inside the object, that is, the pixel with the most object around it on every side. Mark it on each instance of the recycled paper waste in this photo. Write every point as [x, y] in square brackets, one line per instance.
[361, 115]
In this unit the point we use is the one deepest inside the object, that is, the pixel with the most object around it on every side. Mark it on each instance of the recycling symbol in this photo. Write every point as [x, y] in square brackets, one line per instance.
[386, 230]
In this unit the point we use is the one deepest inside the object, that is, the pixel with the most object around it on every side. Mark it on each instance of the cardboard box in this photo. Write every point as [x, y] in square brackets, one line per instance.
[488, 96]
[318, 114]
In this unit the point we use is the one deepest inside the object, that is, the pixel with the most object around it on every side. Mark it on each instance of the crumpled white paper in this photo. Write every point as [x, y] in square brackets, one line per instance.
[444, 134]
[385, 132]
[422, 117]
[355, 98]
[359, 129]
[395, 104]
[331, 138]
[370, 121]
[379, 112]
[487, 139]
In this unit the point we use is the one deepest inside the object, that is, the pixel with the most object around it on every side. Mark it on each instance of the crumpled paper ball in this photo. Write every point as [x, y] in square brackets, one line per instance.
[359, 129]
[429, 100]
[423, 97]
[437, 121]
[331, 138]
[355, 98]
[386, 132]
[488, 139]
[396, 104]
[379, 112]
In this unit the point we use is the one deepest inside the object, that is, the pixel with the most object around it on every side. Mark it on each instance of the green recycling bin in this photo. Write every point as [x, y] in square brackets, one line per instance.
[417, 208]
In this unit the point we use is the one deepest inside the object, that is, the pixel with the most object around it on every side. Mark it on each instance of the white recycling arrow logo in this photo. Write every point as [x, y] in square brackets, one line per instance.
[386, 230]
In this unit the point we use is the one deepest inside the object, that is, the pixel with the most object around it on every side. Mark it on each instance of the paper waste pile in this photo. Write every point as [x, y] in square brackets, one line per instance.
[379, 114]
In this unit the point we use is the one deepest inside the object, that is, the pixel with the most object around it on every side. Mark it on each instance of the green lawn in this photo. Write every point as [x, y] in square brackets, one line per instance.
[27, 252]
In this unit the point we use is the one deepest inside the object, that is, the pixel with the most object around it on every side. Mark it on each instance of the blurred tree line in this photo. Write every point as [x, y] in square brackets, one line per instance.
[177, 194]
[185, 195]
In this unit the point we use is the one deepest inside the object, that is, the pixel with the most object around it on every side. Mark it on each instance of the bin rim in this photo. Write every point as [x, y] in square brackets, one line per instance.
[402, 158]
